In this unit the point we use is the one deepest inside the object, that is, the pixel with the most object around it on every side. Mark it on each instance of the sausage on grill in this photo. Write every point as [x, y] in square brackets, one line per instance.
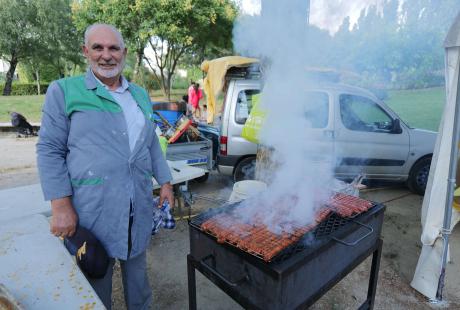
[255, 237]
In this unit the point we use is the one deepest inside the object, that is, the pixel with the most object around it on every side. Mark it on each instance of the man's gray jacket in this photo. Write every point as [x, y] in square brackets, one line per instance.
[83, 152]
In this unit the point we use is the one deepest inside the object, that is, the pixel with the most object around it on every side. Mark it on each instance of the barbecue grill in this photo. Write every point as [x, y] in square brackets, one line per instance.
[298, 275]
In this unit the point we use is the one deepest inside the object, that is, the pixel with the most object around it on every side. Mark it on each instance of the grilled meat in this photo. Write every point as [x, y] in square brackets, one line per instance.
[257, 239]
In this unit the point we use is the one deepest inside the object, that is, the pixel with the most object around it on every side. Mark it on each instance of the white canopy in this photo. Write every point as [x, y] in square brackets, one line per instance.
[429, 265]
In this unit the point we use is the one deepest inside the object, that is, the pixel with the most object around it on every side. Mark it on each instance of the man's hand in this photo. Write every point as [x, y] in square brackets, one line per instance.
[64, 218]
[166, 192]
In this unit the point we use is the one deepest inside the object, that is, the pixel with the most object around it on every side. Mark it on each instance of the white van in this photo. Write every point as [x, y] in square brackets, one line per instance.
[368, 137]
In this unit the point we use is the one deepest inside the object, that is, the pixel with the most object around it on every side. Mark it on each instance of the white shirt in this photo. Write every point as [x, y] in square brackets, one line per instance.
[135, 120]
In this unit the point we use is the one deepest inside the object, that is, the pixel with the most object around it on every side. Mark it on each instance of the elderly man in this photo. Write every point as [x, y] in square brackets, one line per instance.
[96, 154]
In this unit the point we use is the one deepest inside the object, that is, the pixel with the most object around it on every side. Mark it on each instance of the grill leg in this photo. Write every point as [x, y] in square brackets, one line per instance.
[369, 303]
[191, 283]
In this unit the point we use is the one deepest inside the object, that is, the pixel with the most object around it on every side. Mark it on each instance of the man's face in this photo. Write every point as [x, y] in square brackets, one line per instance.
[105, 53]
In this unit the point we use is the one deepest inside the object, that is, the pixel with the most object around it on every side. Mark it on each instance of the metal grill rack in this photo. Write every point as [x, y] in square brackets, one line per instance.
[327, 227]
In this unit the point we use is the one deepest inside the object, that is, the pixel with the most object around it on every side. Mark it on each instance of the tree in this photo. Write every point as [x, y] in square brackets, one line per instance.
[127, 15]
[36, 31]
[27, 72]
[18, 36]
[182, 27]
[170, 28]
[59, 35]
[398, 44]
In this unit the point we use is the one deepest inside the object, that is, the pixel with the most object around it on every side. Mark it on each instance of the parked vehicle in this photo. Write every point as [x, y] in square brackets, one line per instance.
[194, 153]
[212, 133]
[366, 135]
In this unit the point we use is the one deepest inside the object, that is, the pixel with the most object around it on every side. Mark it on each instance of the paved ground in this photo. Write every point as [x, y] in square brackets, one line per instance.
[167, 252]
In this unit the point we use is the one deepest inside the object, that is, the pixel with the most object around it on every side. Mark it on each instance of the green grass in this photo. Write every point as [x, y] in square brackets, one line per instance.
[420, 108]
[29, 106]
[176, 95]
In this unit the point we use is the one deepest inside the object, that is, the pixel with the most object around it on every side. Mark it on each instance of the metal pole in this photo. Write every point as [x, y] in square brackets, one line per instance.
[446, 230]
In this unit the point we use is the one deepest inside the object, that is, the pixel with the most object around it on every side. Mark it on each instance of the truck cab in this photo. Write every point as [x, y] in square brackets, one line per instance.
[364, 134]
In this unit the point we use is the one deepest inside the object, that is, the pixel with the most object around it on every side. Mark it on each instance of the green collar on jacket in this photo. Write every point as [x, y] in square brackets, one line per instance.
[85, 93]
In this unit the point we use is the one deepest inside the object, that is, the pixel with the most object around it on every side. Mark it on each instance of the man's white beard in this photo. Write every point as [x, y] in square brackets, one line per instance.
[108, 73]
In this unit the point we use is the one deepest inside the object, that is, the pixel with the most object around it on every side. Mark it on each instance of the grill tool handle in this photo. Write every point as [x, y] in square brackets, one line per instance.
[218, 274]
[371, 230]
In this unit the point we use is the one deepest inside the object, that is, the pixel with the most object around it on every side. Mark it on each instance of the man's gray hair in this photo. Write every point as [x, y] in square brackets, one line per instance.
[111, 27]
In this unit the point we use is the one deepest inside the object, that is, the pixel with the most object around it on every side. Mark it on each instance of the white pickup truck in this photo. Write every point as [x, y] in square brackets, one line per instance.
[367, 136]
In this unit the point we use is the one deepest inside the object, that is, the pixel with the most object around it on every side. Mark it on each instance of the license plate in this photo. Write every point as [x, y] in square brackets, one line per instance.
[197, 161]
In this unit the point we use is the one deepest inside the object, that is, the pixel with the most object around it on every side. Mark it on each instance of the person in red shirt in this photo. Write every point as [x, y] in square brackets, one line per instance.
[194, 97]
[190, 90]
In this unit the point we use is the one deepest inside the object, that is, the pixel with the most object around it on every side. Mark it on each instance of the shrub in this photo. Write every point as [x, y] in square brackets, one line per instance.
[26, 89]
[180, 83]
[150, 83]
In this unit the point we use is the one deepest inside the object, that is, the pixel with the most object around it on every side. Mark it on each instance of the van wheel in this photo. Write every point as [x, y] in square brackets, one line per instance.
[245, 170]
[418, 176]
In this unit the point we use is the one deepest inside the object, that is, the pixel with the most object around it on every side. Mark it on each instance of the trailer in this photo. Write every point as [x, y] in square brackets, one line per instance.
[193, 150]
[193, 153]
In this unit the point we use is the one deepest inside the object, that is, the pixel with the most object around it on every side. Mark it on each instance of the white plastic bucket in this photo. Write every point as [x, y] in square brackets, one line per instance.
[245, 189]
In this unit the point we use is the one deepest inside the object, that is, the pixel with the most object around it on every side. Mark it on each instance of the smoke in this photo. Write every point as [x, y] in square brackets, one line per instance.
[330, 14]
[327, 15]
[301, 181]
[372, 55]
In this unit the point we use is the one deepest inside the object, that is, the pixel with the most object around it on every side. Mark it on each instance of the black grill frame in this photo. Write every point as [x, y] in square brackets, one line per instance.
[269, 280]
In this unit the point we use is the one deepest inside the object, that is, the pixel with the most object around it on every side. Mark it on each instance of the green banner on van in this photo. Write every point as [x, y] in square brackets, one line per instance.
[254, 122]
[163, 144]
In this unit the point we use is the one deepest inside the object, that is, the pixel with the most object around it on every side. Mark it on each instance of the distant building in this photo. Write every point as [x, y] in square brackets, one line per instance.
[4, 66]
[182, 73]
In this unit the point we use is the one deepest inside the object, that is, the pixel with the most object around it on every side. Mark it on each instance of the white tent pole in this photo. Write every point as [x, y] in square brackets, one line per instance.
[446, 230]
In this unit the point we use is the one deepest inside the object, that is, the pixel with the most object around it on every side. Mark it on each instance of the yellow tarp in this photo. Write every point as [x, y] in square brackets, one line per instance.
[215, 74]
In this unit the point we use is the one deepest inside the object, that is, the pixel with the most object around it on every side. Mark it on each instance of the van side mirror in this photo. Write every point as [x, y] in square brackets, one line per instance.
[396, 128]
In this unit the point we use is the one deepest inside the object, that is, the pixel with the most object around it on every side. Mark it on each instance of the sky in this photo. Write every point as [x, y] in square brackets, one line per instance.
[326, 15]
